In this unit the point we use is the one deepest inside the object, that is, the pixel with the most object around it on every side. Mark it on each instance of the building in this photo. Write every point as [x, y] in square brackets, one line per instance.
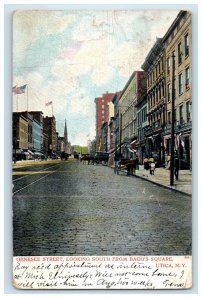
[29, 117]
[20, 136]
[37, 131]
[104, 137]
[102, 115]
[154, 65]
[134, 88]
[49, 127]
[178, 53]
[115, 101]
[142, 124]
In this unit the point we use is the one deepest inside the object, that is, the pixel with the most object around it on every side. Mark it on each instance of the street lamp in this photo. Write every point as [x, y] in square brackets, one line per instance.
[16, 140]
[172, 123]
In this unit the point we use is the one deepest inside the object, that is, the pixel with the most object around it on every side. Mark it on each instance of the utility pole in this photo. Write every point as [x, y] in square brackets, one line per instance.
[120, 131]
[172, 123]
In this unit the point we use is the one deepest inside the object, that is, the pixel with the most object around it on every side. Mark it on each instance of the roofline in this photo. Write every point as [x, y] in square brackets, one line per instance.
[173, 25]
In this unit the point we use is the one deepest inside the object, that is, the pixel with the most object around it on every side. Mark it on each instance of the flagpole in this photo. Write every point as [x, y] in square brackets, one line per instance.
[27, 97]
[17, 102]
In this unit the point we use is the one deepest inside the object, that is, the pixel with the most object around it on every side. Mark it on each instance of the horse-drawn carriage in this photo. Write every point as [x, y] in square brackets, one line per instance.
[98, 158]
[125, 164]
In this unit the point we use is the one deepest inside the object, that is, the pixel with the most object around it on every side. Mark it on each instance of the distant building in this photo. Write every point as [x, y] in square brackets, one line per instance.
[141, 126]
[37, 130]
[49, 127]
[102, 116]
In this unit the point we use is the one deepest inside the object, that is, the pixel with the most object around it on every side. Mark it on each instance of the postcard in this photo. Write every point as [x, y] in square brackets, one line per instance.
[102, 149]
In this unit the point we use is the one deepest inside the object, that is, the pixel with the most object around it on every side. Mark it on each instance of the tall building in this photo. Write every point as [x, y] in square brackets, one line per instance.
[134, 88]
[37, 130]
[49, 127]
[178, 53]
[169, 69]
[102, 115]
[154, 65]
[20, 131]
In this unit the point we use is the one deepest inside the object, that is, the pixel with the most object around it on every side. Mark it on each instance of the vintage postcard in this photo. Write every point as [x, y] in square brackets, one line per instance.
[102, 149]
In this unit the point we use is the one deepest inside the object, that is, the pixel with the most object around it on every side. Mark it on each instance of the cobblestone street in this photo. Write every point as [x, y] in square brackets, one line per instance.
[67, 208]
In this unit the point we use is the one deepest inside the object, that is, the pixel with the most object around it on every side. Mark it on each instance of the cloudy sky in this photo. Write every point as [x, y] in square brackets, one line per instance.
[71, 57]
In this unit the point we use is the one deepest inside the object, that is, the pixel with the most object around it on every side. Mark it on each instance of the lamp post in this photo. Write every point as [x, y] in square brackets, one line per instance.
[16, 140]
[172, 123]
[120, 132]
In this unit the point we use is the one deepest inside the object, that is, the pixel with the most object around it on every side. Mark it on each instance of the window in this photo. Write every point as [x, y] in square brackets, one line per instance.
[103, 106]
[160, 92]
[181, 114]
[162, 64]
[180, 84]
[186, 44]
[174, 59]
[188, 111]
[168, 90]
[169, 117]
[154, 98]
[159, 67]
[174, 88]
[103, 112]
[163, 89]
[179, 53]
[168, 65]
[187, 76]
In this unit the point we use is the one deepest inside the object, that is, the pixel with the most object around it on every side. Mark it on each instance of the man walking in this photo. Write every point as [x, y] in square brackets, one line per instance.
[176, 168]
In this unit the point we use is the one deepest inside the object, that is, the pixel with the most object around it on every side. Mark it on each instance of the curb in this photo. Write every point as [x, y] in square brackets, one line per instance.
[165, 186]
[162, 185]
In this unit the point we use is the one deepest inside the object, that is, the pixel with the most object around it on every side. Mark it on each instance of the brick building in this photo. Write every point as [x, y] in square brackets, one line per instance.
[102, 116]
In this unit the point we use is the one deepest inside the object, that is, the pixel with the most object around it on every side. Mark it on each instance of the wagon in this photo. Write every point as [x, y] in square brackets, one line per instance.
[125, 164]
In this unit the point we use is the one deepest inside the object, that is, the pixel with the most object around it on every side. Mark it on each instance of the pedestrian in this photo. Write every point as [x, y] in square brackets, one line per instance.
[176, 169]
[146, 163]
[152, 168]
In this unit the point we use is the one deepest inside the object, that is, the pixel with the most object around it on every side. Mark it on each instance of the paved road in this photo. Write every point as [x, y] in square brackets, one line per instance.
[75, 209]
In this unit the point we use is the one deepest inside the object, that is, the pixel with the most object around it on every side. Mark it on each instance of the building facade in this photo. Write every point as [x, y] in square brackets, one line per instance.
[49, 127]
[178, 51]
[102, 116]
[142, 124]
[134, 88]
[154, 65]
[37, 130]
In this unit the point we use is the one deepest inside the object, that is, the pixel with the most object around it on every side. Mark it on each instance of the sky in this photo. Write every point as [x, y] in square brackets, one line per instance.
[70, 57]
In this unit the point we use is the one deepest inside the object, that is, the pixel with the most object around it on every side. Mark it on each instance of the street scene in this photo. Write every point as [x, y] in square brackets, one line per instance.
[68, 208]
[102, 132]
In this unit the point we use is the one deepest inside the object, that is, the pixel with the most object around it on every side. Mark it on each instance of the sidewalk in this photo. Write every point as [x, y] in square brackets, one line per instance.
[162, 177]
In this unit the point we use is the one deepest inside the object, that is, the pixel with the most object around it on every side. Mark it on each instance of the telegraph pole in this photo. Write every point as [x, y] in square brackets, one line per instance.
[120, 131]
[172, 123]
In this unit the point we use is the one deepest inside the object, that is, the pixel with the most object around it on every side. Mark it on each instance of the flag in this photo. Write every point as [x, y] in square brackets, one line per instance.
[48, 103]
[19, 89]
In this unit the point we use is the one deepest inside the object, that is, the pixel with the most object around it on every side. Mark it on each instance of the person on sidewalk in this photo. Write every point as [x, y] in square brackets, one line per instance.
[152, 168]
[176, 169]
